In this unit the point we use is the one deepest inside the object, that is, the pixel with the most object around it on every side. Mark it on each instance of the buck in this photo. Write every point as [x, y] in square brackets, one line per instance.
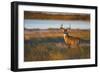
[70, 40]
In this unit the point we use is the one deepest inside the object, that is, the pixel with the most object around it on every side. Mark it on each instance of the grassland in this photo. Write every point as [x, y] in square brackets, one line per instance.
[49, 45]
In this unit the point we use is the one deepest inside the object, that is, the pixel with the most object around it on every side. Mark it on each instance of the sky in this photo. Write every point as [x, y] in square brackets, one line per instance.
[45, 24]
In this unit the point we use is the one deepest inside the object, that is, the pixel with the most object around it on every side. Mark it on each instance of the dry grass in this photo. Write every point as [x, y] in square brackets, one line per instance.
[84, 34]
[50, 45]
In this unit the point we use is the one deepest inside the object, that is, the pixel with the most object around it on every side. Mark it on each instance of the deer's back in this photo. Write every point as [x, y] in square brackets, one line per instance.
[71, 40]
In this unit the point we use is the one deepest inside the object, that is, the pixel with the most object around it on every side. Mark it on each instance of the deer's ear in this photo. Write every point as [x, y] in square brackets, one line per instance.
[62, 30]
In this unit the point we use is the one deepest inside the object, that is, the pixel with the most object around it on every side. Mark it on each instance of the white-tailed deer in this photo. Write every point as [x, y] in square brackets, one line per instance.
[70, 40]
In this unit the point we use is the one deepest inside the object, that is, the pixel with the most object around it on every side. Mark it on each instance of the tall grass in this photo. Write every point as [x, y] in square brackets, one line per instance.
[44, 49]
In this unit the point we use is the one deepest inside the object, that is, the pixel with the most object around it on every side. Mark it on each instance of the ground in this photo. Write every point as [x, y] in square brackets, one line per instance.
[40, 45]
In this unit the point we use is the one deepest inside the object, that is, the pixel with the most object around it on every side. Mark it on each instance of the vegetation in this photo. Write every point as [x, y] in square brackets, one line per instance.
[50, 45]
[56, 16]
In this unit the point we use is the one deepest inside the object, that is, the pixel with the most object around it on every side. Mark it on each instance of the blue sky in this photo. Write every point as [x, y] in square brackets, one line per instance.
[45, 24]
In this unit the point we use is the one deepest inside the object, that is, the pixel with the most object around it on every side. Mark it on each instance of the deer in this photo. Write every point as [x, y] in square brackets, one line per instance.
[70, 40]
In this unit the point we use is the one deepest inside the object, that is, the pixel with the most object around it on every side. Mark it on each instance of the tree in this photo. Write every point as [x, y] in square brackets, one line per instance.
[61, 27]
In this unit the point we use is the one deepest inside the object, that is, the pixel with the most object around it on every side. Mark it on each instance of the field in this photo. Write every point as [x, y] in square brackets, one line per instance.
[48, 44]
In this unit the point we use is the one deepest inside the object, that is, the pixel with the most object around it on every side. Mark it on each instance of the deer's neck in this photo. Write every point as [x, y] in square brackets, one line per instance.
[66, 36]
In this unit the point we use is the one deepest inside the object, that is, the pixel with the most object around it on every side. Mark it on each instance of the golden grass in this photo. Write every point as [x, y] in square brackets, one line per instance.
[45, 52]
[50, 45]
[59, 33]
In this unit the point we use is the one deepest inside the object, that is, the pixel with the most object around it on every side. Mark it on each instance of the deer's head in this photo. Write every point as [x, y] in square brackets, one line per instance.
[66, 31]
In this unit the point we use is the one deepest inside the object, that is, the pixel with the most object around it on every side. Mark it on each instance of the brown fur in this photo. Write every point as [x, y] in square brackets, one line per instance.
[71, 41]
